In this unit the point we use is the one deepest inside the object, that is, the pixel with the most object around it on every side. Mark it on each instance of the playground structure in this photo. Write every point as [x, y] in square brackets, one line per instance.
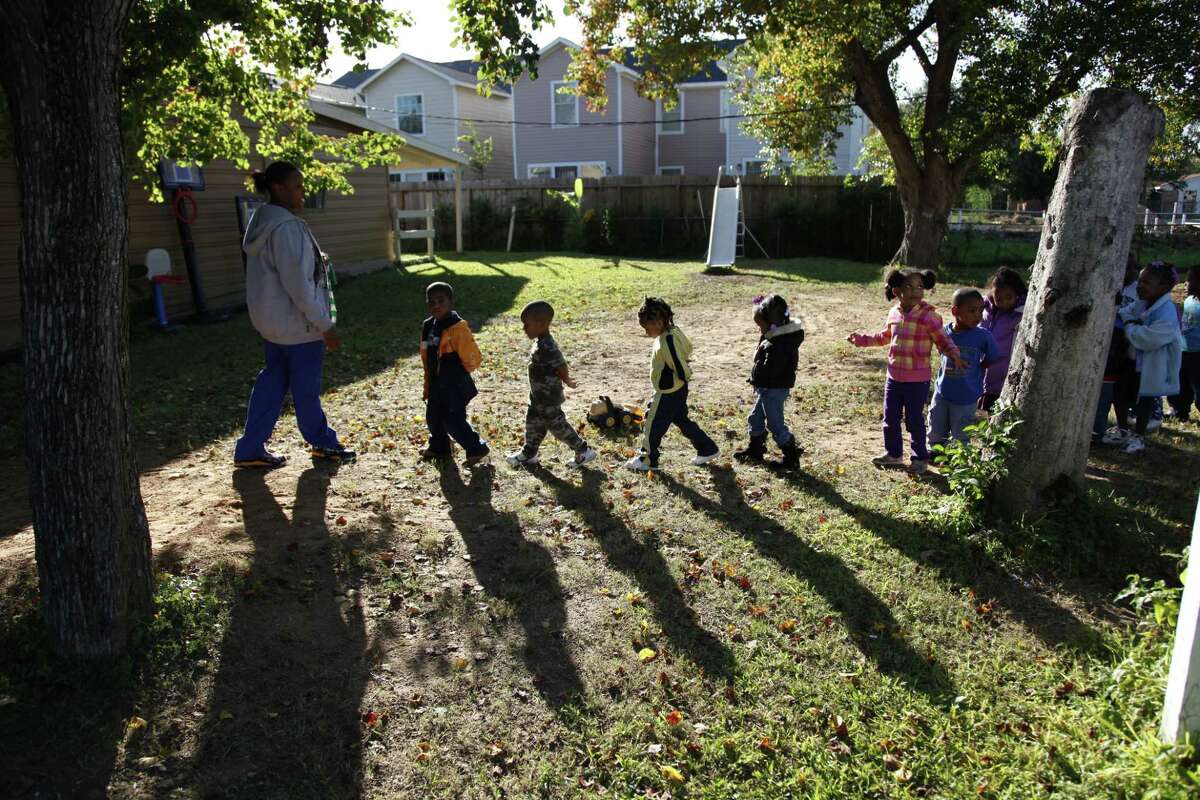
[728, 232]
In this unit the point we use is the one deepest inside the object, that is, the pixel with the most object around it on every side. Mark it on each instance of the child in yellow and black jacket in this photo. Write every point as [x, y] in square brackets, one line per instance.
[449, 355]
[670, 374]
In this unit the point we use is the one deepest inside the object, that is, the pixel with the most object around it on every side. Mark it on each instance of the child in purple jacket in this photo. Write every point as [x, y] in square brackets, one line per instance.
[1002, 311]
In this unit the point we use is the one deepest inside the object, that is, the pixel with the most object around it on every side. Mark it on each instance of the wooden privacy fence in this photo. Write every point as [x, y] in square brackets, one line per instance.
[663, 215]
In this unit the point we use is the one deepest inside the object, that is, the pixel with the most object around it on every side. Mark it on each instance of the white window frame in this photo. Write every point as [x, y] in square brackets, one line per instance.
[578, 165]
[396, 108]
[658, 113]
[554, 95]
[726, 102]
[671, 166]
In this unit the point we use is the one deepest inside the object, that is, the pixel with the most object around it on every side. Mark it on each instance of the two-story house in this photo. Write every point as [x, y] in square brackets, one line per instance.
[554, 135]
[437, 103]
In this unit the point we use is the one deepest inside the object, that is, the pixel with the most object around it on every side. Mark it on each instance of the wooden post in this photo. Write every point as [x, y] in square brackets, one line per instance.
[458, 247]
[512, 223]
[1058, 356]
[429, 206]
[1181, 709]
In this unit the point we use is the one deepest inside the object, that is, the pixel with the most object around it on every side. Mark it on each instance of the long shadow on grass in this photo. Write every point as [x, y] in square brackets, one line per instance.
[967, 566]
[191, 388]
[510, 567]
[63, 742]
[645, 564]
[283, 720]
[864, 615]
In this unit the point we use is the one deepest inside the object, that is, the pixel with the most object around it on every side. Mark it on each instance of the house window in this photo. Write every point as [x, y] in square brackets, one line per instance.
[565, 104]
[315, 200]
[410, 114]
[420, 176]
[671, 121]
[754, 167]
[670, 170]
[595, 169]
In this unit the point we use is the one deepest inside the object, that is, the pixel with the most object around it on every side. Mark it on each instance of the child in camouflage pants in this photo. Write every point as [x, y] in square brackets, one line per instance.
[547, 374]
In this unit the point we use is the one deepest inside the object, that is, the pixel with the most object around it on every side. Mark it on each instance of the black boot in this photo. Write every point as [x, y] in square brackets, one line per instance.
[791, 455]
[754, 451]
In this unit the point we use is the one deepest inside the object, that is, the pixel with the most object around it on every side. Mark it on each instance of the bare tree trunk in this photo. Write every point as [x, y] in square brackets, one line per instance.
[59, 64]
[1059, 352]
[925, 222]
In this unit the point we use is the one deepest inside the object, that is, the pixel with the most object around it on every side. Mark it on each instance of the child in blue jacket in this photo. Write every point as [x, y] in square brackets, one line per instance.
[1152, 330]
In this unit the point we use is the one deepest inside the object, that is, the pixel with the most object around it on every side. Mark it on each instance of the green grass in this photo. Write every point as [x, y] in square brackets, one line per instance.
[843, 632]
[989, 252]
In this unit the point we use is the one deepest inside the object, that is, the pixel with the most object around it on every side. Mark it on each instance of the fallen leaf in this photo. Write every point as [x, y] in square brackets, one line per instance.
[340, 520]
[674, 718]
[672, 774]
[225, 715]
[822, 518]
[743, 582]
[460, 663]
[646, 654]
[136, 724]
[787, 626]
[766, 745]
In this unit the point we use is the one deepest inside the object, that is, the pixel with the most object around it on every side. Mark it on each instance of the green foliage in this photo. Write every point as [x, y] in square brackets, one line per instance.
[977, 197]
[972, 468]
[185, 92]
[1155, 598]
[479, 150]
[187, 618]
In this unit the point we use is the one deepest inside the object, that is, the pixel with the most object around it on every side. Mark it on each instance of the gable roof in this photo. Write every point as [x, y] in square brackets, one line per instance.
[451, 71]
[353, 78]
[341, 114]
[709, 73]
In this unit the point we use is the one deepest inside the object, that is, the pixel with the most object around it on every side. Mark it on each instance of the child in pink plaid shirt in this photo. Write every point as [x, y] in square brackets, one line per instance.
[913, 328]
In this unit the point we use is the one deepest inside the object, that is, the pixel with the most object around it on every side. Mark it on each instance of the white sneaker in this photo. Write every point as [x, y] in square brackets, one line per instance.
[888, 461]
[700, 461]
[1115, 435]
[519, 459]
[639, 463]
[1154, 424]
[1134, 444]
[583, 458]
[918, 466]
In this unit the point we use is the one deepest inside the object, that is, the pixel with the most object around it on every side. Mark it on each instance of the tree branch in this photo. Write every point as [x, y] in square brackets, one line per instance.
[910, 37]
[875, 96]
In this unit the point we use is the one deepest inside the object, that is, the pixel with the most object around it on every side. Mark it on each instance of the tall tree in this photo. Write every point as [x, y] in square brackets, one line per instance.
[1058, 354]
[83, 79]
[989, 70]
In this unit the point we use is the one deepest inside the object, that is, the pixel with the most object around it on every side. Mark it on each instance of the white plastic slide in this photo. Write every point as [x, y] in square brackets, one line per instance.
[722, 234]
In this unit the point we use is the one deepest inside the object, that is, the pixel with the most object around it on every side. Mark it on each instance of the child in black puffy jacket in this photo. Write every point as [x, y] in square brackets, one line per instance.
[773, 376]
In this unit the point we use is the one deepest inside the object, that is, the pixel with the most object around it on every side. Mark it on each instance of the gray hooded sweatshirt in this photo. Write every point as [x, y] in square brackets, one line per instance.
[286, 284]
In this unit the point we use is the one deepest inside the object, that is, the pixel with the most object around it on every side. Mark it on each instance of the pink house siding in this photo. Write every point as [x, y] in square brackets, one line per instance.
[700, 149]
[637, 140]
[543, 144]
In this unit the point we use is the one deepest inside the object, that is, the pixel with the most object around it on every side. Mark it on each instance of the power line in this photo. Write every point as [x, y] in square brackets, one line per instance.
[611, 123]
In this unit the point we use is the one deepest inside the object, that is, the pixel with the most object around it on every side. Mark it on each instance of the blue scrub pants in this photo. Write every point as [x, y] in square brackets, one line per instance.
[295, 367]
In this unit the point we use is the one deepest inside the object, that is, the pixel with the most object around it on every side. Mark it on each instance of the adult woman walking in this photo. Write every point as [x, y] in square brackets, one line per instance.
[287, 294]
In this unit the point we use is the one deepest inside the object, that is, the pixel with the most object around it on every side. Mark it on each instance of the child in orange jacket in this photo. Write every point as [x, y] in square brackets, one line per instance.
[449, 355]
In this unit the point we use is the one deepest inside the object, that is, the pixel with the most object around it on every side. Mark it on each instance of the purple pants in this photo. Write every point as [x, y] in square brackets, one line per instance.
[907, 399]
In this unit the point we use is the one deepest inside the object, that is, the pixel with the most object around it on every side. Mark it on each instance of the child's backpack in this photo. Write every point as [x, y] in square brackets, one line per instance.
[606, 415]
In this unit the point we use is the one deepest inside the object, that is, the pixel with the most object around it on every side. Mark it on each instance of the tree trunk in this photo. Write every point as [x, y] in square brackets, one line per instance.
[60, 63]
[1059, 352]
[926, 199]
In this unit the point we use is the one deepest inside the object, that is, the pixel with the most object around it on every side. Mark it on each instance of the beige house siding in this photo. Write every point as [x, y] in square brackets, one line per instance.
[438, 101]
[543, 144]
[637, 140]
[472, 105]
[354, 230]
[700, 149]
